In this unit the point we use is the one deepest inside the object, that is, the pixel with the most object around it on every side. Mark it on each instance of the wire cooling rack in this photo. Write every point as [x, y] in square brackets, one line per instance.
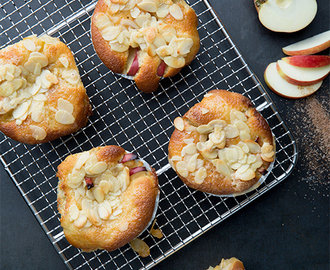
[138, 122]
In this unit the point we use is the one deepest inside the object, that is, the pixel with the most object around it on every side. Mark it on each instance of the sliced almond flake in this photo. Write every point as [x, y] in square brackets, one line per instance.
[37, 69]
[9, 77]
[208, 95]
[38, 57]
[221, 167]
[34, 89]
[98, 168]
[175, 62]
[38, 133]
[40, 97]
[266, 147]
[103, 213]
[81, 221]
[163, 11]
[244, 135]
[248, 175]
[17, 83]
[231, 155]
[231, 131]
[176, 12]
[119, 47]
[135, 12]
[64, 61]
[111, 32]
[123, 227]
[6, 89]
[268, 159]
[105, 186]
[37, 114]
[253, 146]
[21, 109]
[182, 168]
[205, 111]
[243, 168]
[204, 129]
[64, 117]
[64, 105]
[179, 123]
[51, 78]
[200, 175]
[140, 247]
[148, 6]
[192, 164]
[176, 158]
[29, 45]
[185, 46]
[117, 212]
[237, 115]
[76, 177]
[251, 159]
[74, 212]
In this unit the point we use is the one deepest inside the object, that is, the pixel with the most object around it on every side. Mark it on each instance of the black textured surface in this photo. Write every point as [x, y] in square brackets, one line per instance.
[287, 228]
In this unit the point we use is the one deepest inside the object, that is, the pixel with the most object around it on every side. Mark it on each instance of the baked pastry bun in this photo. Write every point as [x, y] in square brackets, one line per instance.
[41, 94]
[145, 39]
[106, 198]
[222, 145]
[229, 264]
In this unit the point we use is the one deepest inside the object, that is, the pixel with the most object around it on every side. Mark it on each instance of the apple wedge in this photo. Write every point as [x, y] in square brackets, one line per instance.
[281, 87]
[133, 63]
[307, 61]
[300, 75]
[310, 45]
[286, 15]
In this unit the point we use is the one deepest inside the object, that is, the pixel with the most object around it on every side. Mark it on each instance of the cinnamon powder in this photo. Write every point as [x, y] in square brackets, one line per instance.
[311, 127]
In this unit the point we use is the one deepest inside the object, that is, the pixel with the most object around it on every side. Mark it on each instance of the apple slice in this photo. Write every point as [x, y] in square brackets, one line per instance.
[161, 69]
[310, 45]
[281, 87]
[300, 75]
[307, 61]
[286, 15]
[134, 66]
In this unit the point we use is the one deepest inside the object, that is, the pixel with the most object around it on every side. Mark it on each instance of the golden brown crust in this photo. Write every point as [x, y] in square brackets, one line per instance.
[53, 49]
[146, 77]
[113, 60]
[229, 264]
[218, 104]
[137, 203]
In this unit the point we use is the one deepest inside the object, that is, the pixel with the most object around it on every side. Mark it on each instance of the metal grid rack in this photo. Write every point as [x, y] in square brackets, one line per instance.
[138, 122]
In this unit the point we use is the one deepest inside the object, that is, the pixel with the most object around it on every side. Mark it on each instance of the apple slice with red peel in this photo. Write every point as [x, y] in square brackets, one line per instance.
[134, 66]
[281, 87]
[128, 157]
[136, 170]
[161, 69]
[307, 61]
[286, 15]
[310, 45]
[300, 75]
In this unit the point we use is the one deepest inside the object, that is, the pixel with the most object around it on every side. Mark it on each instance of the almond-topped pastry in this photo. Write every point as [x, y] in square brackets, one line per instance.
[222, 145]
[41, 94]
[145, 39]
[106, 197]
[229, 264]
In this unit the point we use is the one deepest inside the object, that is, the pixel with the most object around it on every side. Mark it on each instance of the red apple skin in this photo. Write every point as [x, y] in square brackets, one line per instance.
[296, 82]
[308, 61]
[307, 51]
[134, 67]
[161, 69]
[272, 68]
